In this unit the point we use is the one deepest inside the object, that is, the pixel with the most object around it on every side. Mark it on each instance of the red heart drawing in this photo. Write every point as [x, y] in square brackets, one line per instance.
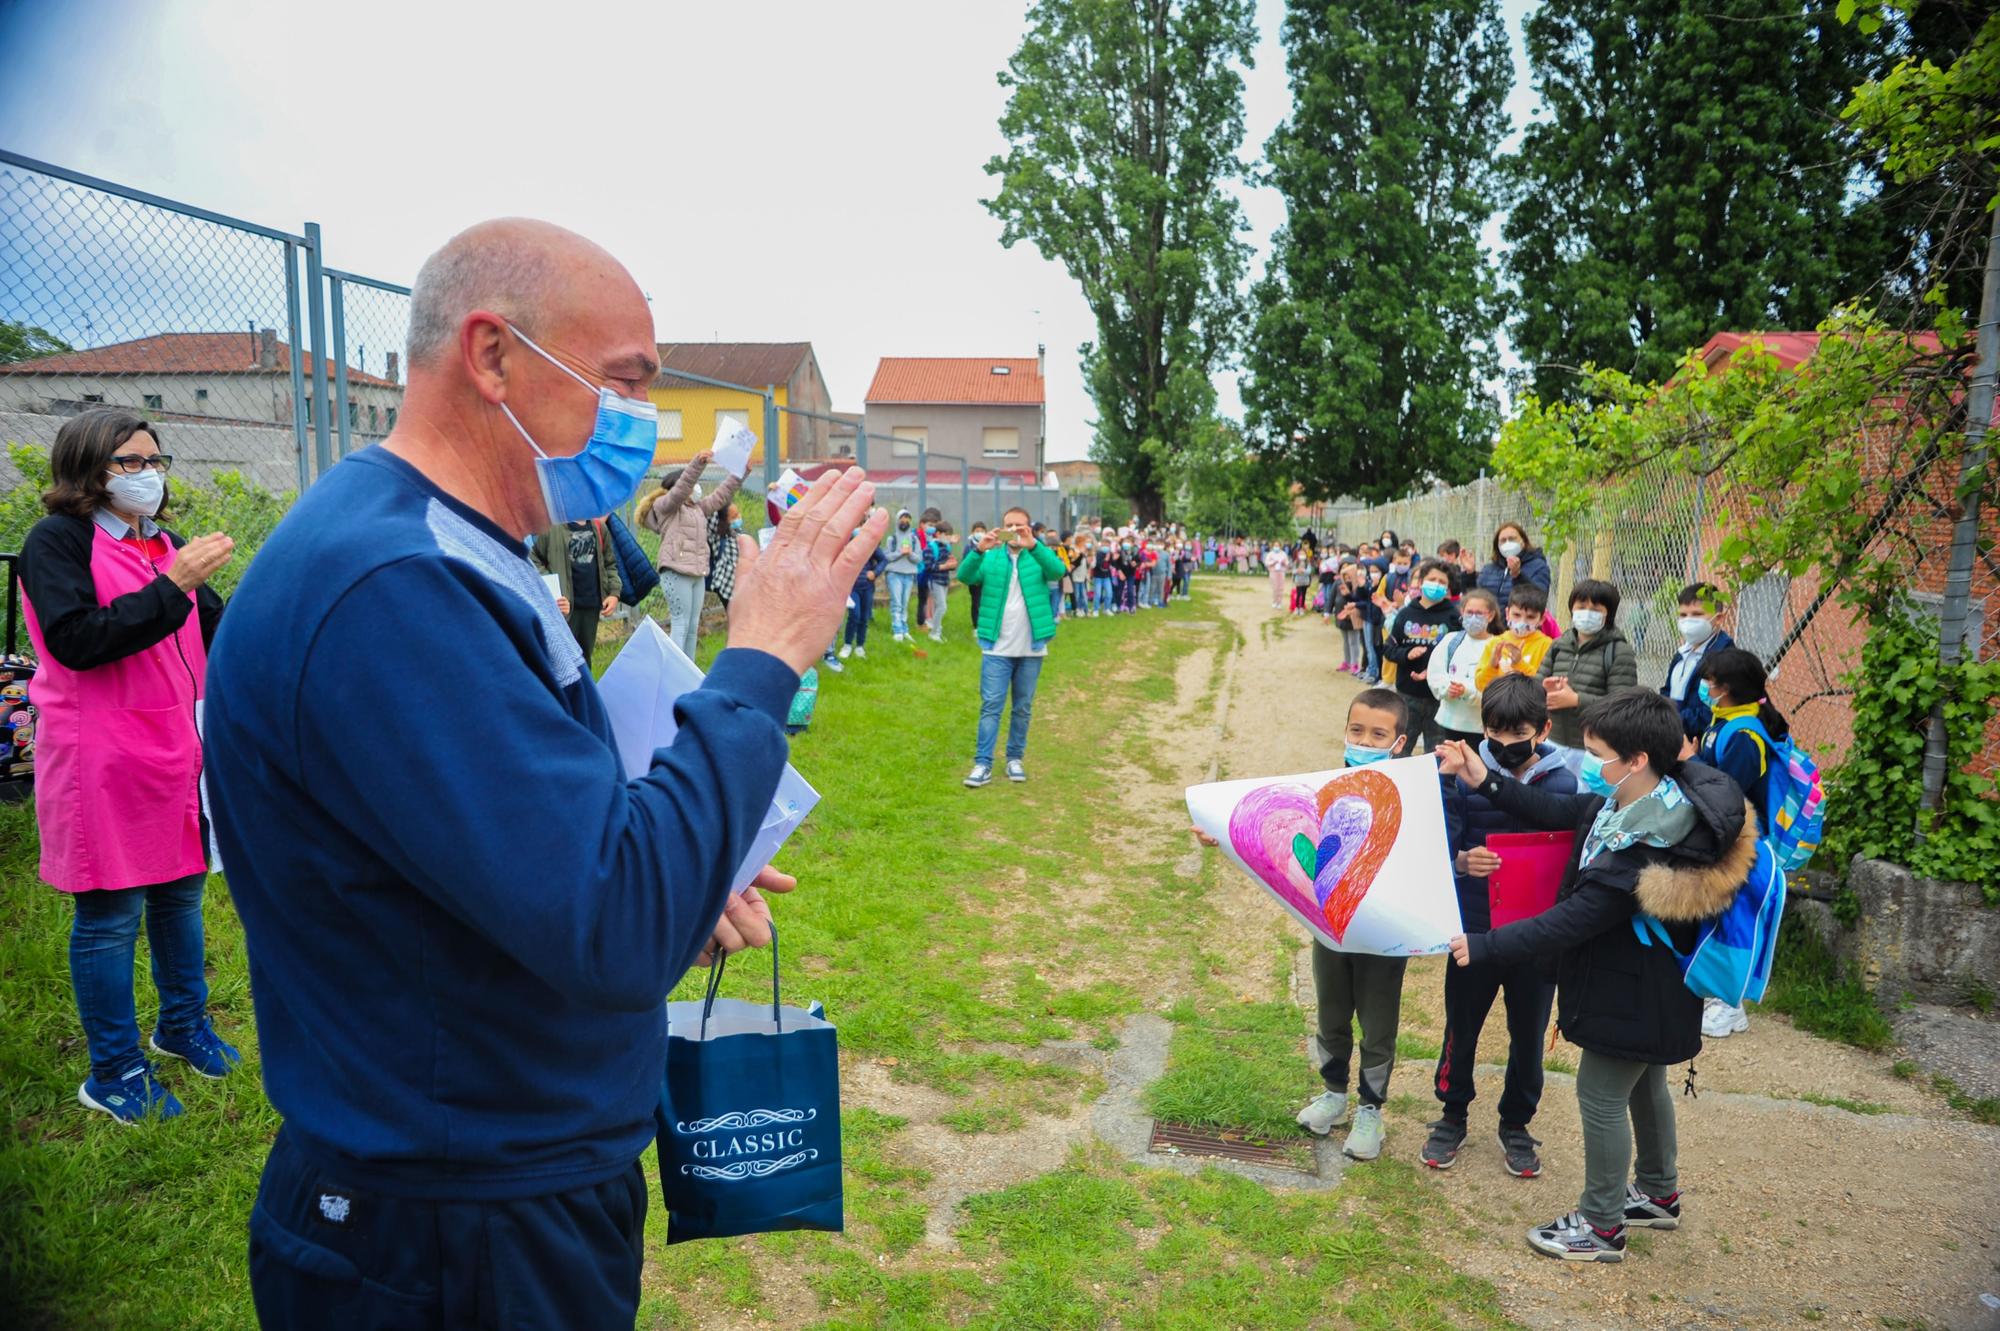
[1360, 814]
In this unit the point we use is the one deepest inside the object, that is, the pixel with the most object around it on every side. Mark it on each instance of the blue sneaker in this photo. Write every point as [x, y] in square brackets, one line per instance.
[201, 1049]
[132, 1098]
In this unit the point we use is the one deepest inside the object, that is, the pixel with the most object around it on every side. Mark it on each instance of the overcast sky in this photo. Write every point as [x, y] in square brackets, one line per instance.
[770, 170]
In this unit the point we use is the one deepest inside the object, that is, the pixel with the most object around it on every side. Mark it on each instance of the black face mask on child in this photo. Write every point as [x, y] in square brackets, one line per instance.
[1513, 755]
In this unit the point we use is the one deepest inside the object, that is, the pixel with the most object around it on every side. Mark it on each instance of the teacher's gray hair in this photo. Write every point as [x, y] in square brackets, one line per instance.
[481, 268]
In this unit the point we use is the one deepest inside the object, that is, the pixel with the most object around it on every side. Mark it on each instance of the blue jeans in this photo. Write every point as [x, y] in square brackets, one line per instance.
[858, 617]
[1371, 638]
[1100, 594]
[996, 675]
[900, 587]
[102, 944]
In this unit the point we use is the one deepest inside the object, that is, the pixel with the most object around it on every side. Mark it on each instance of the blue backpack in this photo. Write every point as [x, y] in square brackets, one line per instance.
[1795, 802]
[1732, 951]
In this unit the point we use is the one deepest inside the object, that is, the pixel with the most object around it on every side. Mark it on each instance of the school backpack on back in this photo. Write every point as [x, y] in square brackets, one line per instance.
[1795, 802]
[1732, 953]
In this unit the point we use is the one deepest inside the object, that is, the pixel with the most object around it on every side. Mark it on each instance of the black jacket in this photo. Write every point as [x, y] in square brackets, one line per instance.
[1614, 996]
[81, 634]
[1469, 818]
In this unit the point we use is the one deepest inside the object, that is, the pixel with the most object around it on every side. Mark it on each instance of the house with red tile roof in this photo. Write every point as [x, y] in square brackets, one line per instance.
[989, 410]
[240, 378]
[694, 413]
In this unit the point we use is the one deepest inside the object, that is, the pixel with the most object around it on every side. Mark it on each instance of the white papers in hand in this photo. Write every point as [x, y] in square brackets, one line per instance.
[639, 689]
[732, 450]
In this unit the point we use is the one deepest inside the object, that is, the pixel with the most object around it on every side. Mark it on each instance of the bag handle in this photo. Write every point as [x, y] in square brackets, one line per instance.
[715, 987]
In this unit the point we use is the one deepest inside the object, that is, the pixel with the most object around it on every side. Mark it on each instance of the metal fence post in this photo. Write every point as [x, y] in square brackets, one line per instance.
[316, 334]
[997, 510]
[298, 376]
[340, 364]
[1979, 406]
[965, 493]
[770, 436]
[923, 478]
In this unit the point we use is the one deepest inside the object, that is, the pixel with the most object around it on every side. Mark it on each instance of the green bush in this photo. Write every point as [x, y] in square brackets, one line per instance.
[1873, 796]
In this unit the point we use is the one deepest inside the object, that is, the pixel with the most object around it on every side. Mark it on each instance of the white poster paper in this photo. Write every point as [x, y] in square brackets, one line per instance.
[554, 584]
[732, 449]
[639, 688]
[200, 721]
[1357, 855]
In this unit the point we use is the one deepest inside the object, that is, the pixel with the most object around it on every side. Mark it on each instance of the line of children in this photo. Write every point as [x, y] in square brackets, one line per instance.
[1654, 834]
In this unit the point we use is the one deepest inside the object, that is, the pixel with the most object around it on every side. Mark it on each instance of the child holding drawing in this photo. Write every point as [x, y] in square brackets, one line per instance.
[1656, 835]
[1347, 985]
[1515, 713]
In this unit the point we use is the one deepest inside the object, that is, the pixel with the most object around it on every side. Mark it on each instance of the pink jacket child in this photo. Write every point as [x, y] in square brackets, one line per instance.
[118, 762]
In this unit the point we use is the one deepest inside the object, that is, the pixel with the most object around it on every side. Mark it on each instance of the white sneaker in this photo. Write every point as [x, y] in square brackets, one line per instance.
[861, 652]
[1016, 772]
[979, 776]
[846, 650]
[937, 637]
[1719, 1021]
[1325, 1112]
[1364, 1142]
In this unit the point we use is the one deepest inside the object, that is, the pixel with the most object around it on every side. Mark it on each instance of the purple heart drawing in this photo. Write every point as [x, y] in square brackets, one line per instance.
[1275, 829]
[1342, 834]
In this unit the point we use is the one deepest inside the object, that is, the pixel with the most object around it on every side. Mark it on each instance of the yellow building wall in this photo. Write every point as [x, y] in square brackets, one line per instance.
[697, 404]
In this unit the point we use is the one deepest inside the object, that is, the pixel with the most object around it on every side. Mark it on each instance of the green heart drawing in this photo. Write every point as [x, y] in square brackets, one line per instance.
[1306, 853]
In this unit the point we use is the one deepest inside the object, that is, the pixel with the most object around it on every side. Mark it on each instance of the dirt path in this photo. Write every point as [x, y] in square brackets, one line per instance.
[1798, 1213]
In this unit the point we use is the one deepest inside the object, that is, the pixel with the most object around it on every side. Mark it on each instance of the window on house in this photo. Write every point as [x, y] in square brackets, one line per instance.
[201, 397]
[93, 397]
[392, 418]
[911, 440]
[726, 420]
[374, 420]
[153, 401]
[1000, 442]
[309, 411]
[354, 415]
[670, 423]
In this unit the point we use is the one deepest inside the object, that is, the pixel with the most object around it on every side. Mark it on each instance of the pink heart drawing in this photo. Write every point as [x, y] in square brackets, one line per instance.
[1265, 827]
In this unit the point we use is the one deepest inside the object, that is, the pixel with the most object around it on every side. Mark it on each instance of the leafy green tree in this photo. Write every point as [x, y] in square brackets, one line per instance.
[25, 341]
[1692, 175]
[1218, 484]
[1377, 322]
[1123, 122]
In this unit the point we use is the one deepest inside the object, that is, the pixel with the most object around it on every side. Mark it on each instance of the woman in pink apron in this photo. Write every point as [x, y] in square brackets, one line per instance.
[120, 617]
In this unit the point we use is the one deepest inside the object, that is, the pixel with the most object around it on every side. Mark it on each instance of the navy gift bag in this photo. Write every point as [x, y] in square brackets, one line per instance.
[749, 1137]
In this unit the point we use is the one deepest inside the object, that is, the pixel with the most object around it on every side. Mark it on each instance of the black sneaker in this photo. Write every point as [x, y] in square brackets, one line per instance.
[1644, 1212]
[1518, 1148]
[1447, 1135]
[1575, 1239]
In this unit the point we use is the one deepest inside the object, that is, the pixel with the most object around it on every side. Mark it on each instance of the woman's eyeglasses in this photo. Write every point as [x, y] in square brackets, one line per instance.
[131, 464]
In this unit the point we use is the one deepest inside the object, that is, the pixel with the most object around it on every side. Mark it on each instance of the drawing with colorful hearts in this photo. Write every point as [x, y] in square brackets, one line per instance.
[1357, 855]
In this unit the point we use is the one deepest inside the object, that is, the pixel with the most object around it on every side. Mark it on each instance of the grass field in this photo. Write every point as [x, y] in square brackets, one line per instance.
[930, 921]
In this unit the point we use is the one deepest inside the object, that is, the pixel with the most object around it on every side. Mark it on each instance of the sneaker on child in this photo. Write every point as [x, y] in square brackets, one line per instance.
[1016, 772]
[980, 774]
[846, 650]
[1447, 1135]
[1517, 1148]
[1646, 1212]
[1364, 1140]
[1325, 1112]
[1719, 1021]
[1575, 1239]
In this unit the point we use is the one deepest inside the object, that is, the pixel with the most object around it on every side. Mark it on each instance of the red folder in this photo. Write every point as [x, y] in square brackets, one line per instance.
[1531, 869]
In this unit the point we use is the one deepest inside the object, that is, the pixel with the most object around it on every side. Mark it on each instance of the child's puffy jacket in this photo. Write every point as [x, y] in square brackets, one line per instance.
[1614, 995]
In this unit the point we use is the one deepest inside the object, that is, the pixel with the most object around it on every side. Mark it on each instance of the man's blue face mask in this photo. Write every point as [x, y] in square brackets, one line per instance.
[612, 462]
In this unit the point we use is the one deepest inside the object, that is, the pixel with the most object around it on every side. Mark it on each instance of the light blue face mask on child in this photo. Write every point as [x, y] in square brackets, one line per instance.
[1360, 755]
[604, 473]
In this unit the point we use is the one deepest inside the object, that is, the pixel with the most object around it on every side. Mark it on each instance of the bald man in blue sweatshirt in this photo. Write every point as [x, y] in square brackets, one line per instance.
[462, 920]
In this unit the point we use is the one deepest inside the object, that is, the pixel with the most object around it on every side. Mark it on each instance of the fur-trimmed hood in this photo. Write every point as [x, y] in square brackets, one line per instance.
[1713, 861]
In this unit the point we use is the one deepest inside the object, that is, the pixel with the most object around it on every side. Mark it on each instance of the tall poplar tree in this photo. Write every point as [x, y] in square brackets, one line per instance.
[1691, 175]
[1377, 320]
[1123, 123]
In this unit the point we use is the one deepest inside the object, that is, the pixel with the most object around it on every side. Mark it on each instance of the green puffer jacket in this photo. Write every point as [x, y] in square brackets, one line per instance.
[989, 571]
[1603, 665]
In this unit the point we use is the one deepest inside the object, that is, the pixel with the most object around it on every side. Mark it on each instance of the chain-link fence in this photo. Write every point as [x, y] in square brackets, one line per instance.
[228, 335]
[1658, 530]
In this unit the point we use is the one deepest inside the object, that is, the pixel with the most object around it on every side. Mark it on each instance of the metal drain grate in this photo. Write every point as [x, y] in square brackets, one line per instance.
[1183, 1139]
